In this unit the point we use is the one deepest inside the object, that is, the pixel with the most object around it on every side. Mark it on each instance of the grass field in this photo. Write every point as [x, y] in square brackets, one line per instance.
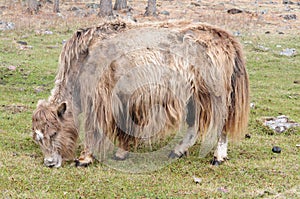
[253, 171]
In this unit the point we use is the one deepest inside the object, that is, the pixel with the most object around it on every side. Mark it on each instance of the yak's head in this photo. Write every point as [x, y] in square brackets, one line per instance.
[54, 129]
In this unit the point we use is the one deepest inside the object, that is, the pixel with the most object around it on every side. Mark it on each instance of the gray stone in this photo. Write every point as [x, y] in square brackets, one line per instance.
[289, 52]
[165, 12]
[289, 17]
[6, 26]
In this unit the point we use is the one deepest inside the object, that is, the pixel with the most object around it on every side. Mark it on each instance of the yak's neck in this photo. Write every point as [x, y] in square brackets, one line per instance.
[59, 93]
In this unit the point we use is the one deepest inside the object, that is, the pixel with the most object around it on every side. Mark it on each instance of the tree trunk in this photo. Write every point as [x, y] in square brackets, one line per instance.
[56, 6]
[151, 8]
[120, 4]
[33, 7]
[105, 8]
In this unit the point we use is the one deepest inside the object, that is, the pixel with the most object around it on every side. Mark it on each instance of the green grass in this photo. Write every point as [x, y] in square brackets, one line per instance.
[253, 171]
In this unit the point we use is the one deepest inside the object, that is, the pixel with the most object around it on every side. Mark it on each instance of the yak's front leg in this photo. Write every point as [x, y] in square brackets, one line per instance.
[86, 156]
[220, 154]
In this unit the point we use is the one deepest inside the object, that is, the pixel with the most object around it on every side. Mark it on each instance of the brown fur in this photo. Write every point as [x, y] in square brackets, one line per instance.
[195, 61]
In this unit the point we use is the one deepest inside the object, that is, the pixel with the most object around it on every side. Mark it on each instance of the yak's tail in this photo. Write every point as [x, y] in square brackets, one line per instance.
[237, 121]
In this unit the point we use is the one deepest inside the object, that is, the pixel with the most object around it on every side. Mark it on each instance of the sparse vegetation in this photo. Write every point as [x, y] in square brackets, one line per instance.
[27, 74]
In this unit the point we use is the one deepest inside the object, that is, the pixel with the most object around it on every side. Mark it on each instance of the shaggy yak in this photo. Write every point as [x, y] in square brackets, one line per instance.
[134, 83]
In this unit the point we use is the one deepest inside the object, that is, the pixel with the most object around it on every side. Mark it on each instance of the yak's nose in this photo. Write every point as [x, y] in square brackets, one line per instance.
[49, 162]
[53, 161]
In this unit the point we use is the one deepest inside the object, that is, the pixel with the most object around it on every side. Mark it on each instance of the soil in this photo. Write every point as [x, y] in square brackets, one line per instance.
[238, 16]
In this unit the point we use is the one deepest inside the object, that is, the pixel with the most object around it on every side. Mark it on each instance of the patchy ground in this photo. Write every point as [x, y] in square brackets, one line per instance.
[239, 16]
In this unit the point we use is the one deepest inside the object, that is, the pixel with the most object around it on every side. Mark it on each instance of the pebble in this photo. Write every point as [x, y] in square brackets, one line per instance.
[234, 11]
[165, 12]
[92, 5]
[237, 33]
[197, 180]
[287, 2]
[263, 48]
[276, 149]
[48, 32]
[22, 42]
[288, 52]
[289, 17]
[6, 25]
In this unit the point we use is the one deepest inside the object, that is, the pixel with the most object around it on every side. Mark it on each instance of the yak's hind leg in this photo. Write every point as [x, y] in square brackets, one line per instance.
[122, 151]
[220, 154]
[191, 135]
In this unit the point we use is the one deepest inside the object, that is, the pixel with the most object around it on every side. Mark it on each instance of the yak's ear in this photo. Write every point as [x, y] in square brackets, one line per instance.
[61, 109]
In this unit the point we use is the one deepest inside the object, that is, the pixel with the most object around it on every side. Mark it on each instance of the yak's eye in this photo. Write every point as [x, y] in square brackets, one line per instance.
[53, 135]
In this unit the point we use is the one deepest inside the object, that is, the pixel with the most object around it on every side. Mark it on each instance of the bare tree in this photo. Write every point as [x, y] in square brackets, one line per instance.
[56, 6]
[33, 6]
[151, 8]
[120, 4]
[105, 8]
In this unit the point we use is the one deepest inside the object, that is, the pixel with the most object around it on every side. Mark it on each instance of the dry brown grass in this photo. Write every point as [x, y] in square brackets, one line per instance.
[256, 18]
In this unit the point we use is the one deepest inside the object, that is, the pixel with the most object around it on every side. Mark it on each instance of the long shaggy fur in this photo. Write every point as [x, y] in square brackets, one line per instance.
[106, 73]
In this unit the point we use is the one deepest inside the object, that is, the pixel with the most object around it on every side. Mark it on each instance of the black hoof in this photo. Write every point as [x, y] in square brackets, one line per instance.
[81, 164]
[174, 155]
[215, 162]
[120, 158]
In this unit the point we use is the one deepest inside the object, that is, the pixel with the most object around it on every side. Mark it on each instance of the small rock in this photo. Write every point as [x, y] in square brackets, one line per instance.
[280, 123]
[234, 11]
[280, 129]
[265, 49]
[287, 2]
[39, 89]
[264, 12]
[248, 42]
[165, 12]
[276, 149]
[92, 5]
[59, 15]
[195, 4]
[12, 68]
[237, 33]
[288, 52]
[289, 17]
[197, 180]
[223, 190]
[22, 42]
[74, 8]
[48, 32]
[6, 26]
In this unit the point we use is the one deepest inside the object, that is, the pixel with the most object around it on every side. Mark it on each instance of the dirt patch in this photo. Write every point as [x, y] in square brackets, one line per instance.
[253, 16]
[13, 109]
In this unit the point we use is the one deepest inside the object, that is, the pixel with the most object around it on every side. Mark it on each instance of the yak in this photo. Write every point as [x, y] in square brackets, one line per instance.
[131, 83]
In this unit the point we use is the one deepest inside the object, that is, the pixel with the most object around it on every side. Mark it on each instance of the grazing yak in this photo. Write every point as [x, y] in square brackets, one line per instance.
[135, 83]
